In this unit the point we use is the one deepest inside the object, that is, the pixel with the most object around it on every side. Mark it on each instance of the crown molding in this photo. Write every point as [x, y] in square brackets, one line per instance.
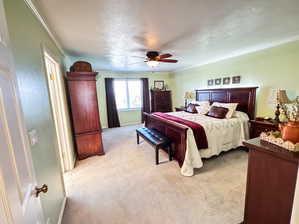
[38, 15]
[242, 52]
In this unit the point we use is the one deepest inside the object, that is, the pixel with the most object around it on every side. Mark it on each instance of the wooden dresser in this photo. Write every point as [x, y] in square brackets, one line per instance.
[161, 101]
[85, 113]
[271, 181]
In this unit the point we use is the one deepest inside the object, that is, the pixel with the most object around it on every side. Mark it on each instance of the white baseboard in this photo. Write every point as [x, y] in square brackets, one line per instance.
[62, 210]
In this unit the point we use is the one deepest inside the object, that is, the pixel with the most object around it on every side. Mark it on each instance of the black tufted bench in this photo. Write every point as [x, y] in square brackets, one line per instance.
[156, 139]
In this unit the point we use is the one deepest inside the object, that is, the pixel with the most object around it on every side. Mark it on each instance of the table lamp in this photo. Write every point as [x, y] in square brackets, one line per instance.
[188, 96]
[278, 97]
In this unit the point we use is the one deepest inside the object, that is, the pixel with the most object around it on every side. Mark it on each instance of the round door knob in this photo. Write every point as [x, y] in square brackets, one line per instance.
[39, 190]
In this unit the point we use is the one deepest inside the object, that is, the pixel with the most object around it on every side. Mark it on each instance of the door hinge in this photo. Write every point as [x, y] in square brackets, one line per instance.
[52, 76]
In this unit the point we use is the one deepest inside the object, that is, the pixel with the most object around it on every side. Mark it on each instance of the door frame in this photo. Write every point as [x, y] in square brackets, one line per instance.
[60, 113]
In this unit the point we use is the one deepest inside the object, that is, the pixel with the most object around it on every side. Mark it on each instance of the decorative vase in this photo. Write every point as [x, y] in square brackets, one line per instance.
[290, 131]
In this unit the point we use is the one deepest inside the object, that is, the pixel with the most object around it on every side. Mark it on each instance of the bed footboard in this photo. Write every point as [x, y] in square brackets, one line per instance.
[175, 132]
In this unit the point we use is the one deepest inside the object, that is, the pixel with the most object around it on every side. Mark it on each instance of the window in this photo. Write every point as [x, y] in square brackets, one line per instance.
[127, 93]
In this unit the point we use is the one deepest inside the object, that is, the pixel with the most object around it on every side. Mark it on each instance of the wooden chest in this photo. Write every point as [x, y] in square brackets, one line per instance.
[161, 101]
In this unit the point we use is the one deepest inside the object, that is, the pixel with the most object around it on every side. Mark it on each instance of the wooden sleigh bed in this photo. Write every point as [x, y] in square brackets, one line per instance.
[245, 97]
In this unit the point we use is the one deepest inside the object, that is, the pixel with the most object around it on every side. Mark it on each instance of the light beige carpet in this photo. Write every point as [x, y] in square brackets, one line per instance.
[125, 186]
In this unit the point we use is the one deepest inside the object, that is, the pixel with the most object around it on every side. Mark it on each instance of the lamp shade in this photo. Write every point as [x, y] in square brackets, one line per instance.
[186, 95]
[189, 95]
[282, 97]
[273, 97]
[192, 95]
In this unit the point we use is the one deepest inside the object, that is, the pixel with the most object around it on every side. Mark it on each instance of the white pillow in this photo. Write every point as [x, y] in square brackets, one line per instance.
[240, 114]
[230, 106]
[203, 109]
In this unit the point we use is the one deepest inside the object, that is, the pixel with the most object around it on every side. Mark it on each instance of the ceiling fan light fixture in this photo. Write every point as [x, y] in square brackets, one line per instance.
[152, 63]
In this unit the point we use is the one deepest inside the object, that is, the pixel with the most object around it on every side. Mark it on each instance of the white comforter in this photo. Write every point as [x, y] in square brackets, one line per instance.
[222, 135]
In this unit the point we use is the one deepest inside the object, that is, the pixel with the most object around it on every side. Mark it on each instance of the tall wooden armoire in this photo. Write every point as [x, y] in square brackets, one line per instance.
[161, 101]
[85, 113]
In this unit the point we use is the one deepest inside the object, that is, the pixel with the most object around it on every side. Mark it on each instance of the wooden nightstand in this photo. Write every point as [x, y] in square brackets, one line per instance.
[181, 108]
[259, 126]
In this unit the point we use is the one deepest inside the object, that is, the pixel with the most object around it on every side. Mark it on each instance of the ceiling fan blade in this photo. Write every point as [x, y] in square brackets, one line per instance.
[164, 56]
[168, 60]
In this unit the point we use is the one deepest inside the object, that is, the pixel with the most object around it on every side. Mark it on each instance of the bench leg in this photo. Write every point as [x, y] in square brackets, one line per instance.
[170, 152]
[137, 138]
[157, 155]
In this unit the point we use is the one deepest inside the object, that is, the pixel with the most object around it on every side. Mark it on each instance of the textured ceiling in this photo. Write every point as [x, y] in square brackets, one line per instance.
[113, 34]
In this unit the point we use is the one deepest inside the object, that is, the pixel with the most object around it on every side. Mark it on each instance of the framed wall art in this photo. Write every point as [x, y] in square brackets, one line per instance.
[159, 84]
[226, 81]
[218, 81]
[210, 82]
[236, 79]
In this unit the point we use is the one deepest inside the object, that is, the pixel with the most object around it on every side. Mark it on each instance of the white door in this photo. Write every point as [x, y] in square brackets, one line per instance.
[58, 102]
[18, 203]
[51, 73]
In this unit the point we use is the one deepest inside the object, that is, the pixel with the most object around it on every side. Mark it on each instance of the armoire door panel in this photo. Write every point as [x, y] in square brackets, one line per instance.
[89, 144]
[85, 108]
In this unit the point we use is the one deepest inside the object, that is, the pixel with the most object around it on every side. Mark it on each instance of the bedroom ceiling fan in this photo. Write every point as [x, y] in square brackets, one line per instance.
[153, 58]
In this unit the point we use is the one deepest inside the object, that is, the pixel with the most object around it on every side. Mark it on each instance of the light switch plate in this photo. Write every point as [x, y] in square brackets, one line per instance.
[33, 137]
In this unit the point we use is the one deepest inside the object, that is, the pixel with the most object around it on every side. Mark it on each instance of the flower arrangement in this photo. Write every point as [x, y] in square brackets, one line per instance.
[291, 110]
[274, 137]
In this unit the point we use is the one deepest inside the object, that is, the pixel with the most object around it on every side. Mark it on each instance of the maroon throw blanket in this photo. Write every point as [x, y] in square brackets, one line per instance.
[198, 131]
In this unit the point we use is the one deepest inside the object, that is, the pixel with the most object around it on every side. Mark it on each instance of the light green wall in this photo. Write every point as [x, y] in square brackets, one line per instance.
[27, 37]
[132, 116]
[276, 67]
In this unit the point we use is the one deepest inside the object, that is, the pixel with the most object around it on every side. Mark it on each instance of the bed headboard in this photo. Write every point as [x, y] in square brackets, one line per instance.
[244, 96]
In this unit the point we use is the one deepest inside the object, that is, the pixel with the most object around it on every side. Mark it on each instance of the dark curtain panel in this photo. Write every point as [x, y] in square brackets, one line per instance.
[145, 98]
[112, 115]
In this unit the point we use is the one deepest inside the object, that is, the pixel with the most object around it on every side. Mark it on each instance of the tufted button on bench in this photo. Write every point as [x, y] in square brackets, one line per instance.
[156, 139]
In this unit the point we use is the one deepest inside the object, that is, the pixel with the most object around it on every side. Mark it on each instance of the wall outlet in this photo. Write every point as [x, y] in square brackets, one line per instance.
[33, 137]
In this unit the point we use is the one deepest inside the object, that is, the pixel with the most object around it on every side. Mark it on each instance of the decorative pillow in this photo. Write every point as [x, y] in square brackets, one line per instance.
[230, 106]
[191, 108]
[203, 109]
[218, 112]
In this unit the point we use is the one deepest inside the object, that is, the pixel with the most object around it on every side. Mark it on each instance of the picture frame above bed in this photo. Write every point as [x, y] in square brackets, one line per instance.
[210, 82]
[236, 79]
[217, 81]
[226, 80]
